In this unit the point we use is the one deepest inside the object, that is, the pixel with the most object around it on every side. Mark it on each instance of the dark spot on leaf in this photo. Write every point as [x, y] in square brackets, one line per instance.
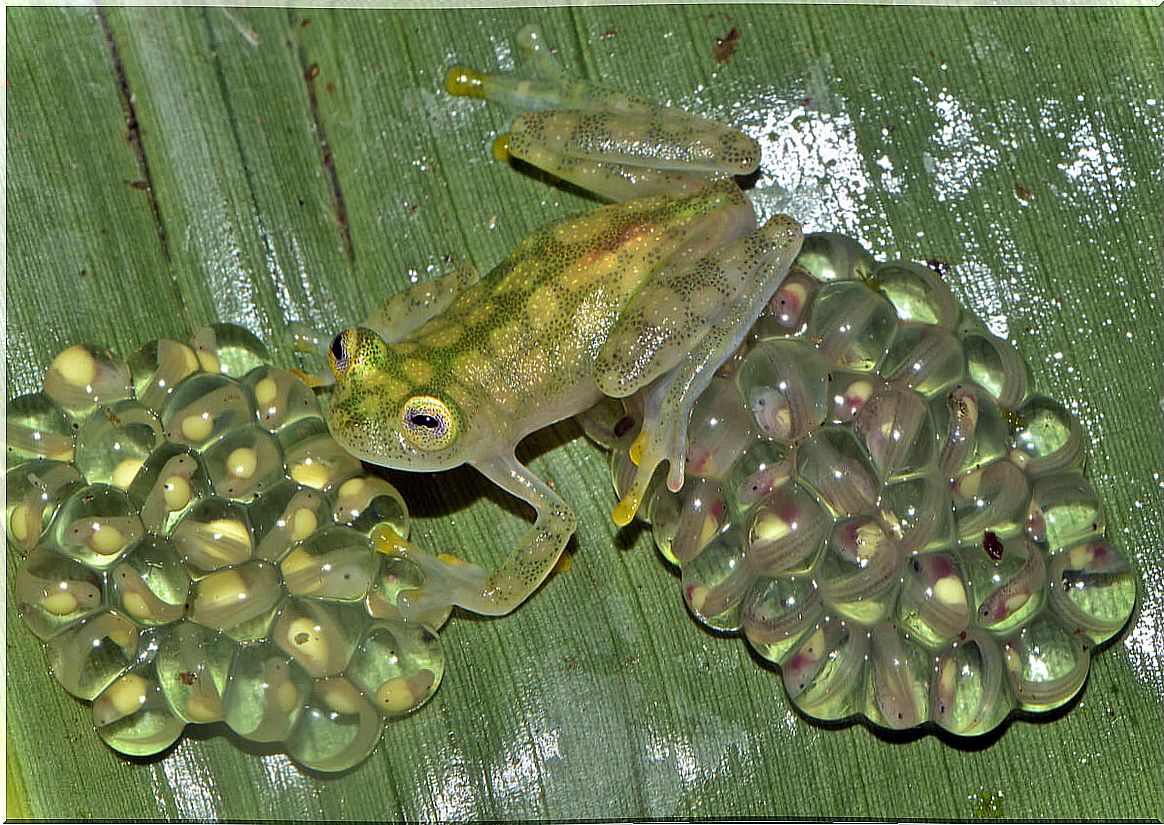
[725, 46]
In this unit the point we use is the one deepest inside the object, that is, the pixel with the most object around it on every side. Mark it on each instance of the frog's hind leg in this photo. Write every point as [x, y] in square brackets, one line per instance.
[415, 306]
[674, 354]
[450, 581]
[615, 145]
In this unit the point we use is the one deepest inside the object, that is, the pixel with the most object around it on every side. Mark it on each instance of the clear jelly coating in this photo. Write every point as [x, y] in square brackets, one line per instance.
[197, 549]
[879, 504]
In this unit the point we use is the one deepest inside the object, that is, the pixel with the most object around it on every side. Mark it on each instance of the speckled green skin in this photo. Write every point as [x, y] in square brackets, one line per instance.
[652, 294]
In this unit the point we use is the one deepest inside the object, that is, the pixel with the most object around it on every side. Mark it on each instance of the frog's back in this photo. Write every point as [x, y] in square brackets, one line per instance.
[549, 306]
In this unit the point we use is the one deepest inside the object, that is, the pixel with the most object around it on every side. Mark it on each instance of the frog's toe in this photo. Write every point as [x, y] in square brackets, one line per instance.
[649, 450]
[447, 580]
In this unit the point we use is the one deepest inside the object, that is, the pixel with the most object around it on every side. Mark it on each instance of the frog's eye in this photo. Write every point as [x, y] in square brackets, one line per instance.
[428, 423]
[339, 353]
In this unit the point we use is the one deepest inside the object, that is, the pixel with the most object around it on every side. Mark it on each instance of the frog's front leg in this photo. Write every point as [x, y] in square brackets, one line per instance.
[415, 306]
[449, 580]
[679, 328]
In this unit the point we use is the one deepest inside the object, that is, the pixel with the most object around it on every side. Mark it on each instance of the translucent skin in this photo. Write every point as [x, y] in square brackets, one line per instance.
[654, 292]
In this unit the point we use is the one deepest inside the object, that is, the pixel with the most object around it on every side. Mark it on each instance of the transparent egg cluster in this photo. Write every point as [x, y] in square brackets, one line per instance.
[197, 549]
[876, 500]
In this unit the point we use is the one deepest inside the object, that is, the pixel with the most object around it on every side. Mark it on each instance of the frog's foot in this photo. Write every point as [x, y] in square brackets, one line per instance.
[447, 579]
[662, 438]
[615, 145]
[452, 581]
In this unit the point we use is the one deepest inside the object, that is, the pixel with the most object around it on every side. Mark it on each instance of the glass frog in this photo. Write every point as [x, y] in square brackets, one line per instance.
[651, 293]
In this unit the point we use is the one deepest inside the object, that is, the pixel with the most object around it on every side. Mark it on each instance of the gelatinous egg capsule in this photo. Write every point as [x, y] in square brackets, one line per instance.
[786, 532]
[852, 326]
[364, 501]
[35, 427]
[244, 462]
[1047, 664]
[240, 601]
[171, 482]
[229, 349]
[96, 525]
[54, 593]
[720, 427]
[829, 256]
[132, 715]
[1092, 589]
[332, 563]
[848, 392]
[917, 293]
[896, 429]
[114, 442]
[337, 729]
[87, 658]
[703, 513]
[398, 666]
[213, 534]
[777, 612]
[916, 513]
[785, 313]
[824, 676]
[993, 497]
[265, 693]
[1064, 510]
[606, 422]
[284, 515]
[898, 680]
[158, 367]
[319, 462]
[785, 385]
[320, 636]
[663, 516]
[760, 469]
[834, 465]
[205, 407]
[35, 491]
[193, 663]
[83, 376]
[396, 575]
[1007, 582]
[1044, 437]
[970, 693]
[934, 605]
[969, 428]
[282, 398]
[925, 359]
[150, 584]
[997, 366]
[859, 572]
[715, 581]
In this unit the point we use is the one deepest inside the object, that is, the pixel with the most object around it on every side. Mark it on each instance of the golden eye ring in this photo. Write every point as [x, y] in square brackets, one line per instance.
[428, 423]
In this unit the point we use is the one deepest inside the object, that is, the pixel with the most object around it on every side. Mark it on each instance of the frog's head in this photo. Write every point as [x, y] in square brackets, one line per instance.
[387, 408]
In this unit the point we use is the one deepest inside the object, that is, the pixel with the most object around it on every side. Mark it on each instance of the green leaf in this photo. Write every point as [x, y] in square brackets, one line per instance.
[169, 167]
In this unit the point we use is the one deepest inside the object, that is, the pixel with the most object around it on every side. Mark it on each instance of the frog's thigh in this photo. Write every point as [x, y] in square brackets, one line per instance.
[668, 401]
[415, 306]
[673, 311]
